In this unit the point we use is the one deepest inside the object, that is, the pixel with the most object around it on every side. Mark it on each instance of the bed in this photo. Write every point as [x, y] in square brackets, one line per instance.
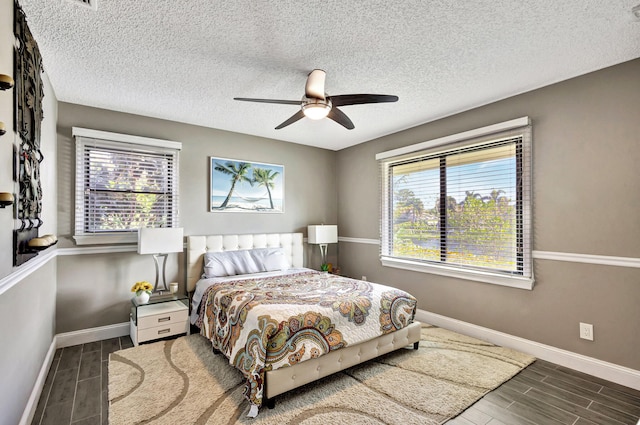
[337, 341]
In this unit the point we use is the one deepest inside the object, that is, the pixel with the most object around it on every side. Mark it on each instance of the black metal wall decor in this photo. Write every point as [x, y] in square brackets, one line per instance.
[28, 94]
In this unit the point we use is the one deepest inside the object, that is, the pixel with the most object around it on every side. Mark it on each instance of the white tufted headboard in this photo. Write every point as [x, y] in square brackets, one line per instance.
[197, 246]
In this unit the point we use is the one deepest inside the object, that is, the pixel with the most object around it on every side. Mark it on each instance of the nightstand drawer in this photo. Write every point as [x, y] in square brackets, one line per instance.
[164, 314]
[159, 319]
[162, 331]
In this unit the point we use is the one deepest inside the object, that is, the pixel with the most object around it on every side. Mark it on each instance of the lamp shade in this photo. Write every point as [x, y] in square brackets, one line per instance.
[160, 240]
[322, 234]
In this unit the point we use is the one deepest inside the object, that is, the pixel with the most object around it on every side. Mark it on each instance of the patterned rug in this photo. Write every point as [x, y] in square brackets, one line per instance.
[181, 381]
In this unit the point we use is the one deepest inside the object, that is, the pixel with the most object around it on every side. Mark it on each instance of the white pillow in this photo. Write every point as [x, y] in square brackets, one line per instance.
[230, 263]
[271, 259]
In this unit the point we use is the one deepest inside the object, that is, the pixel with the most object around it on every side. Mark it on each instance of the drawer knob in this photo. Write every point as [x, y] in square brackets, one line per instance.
[164, 331]
[164, 319]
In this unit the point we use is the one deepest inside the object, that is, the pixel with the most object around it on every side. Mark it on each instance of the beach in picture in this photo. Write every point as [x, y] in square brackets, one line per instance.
[245, 186]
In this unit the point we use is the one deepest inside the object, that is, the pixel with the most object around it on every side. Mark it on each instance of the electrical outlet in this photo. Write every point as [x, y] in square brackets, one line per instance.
[364, 278]
[586, 331]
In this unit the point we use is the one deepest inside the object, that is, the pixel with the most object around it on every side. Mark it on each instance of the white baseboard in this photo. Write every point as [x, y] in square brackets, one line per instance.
[32, 403]
[67, 339]
[609, 371]
[85, 336]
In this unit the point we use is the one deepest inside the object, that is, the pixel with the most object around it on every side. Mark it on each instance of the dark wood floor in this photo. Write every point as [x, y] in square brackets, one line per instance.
[548, 394]
[75, 392]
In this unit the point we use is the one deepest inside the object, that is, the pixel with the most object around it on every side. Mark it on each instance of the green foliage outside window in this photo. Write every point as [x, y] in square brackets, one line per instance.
[125, 198]
[481, 230]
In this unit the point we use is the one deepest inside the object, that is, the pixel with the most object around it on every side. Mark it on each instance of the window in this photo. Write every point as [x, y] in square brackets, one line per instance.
[123, 183]
[460, 205]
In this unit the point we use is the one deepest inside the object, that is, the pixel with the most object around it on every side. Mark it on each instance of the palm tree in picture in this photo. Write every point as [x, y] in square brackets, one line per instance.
[264, 177]
[238, 172]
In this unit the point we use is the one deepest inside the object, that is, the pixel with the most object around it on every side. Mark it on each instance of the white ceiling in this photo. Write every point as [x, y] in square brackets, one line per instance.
[186, 60]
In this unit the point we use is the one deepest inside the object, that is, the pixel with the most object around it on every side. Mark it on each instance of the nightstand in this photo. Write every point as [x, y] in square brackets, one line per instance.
[162, 317]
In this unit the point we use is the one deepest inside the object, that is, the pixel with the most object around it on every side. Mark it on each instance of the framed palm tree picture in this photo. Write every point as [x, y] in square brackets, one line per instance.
[244, 186]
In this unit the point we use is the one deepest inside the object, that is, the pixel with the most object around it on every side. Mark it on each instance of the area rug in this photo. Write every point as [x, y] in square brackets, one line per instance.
[182, 382]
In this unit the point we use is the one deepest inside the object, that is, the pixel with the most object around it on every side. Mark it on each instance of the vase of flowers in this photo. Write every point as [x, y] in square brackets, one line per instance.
[143, 291]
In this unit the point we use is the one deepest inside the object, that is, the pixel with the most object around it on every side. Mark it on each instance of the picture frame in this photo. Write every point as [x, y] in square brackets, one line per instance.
[245, 186]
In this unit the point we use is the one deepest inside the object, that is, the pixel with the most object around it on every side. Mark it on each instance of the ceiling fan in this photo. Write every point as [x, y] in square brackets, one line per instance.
[316, 104]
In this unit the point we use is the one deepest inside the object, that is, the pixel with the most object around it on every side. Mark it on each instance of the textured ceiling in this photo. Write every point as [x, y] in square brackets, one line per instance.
[186, 60]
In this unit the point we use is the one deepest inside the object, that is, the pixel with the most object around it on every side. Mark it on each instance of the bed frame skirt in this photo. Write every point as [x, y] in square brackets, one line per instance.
[286, 379]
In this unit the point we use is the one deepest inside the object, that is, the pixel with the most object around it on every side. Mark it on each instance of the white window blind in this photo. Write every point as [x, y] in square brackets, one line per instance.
[461, 208]
[123, 185]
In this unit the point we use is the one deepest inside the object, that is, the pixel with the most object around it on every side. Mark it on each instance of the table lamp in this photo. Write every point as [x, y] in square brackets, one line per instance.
[322, 235]
[160, 242]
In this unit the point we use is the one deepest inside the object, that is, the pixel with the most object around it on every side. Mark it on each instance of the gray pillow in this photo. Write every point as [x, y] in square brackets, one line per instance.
[247, 261]
[229, 263]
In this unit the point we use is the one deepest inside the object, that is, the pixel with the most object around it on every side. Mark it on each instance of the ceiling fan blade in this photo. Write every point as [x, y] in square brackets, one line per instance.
[295, 117]
[315, 84]
[282, 102]
[360, 99]
[341, 118]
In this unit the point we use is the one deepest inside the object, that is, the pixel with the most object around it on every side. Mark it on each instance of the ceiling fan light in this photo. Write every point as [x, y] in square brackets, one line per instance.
[316, 111]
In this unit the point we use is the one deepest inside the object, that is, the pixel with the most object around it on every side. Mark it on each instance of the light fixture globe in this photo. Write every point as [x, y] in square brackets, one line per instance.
[315, 109]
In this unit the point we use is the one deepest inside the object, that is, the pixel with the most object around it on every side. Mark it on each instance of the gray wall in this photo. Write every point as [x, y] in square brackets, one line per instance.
[27, 314]
[310, 198]
[586, 152]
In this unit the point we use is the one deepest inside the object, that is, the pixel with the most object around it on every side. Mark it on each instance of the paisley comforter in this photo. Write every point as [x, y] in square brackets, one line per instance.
[267, 323]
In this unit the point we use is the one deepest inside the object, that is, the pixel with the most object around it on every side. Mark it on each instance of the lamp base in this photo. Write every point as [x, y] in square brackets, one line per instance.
[160, 285]
[323, 252]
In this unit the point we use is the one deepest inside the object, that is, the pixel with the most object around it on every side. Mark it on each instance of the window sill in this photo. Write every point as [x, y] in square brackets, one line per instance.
[478, 276]
[107, 238]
